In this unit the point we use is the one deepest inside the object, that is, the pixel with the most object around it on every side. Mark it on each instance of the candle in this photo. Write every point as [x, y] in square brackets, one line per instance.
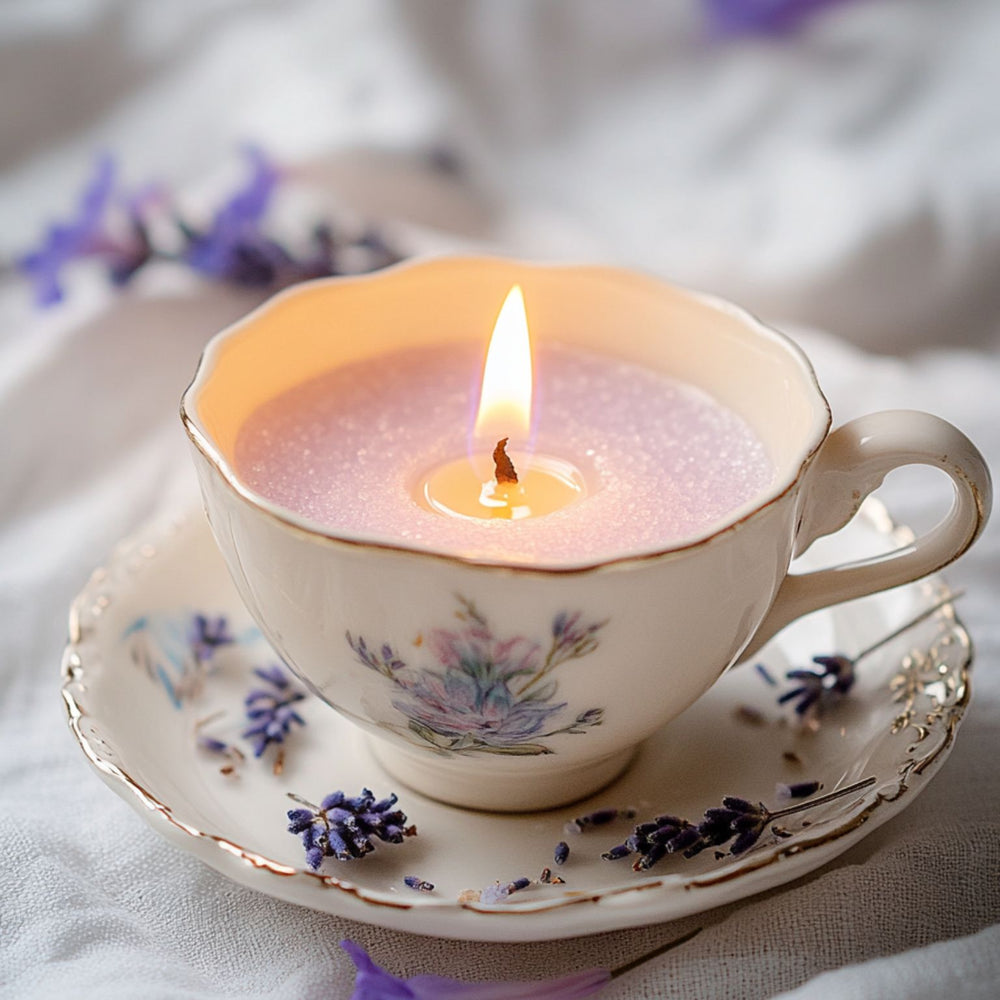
[471, 486]
[620, 458]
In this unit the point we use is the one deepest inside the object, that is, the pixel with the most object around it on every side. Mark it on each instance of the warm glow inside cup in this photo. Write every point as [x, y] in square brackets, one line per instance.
[665, 623]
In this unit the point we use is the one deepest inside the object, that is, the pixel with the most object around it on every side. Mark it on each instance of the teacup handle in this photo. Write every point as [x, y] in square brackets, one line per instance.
[851, 463]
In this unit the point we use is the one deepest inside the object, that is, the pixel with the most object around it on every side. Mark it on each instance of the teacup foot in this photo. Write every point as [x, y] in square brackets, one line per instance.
[497, 789]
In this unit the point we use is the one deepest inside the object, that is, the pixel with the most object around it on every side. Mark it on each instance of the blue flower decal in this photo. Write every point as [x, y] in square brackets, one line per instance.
[485, 693]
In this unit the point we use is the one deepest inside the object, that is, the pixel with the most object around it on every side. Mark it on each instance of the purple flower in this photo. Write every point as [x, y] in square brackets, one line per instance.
[818, 690]
[232, 755]
[738, 820]
[731, 18]
[373, 983]
[343, 828]
[206, 635]
[65, 242]
[270, 711]
[213, 745]
[234, 248]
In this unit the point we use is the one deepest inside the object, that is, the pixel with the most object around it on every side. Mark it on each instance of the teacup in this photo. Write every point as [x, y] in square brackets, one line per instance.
[654, 629]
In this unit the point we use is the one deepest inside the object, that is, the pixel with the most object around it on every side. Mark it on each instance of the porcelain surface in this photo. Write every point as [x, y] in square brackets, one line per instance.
[515, 731]
[139, 693]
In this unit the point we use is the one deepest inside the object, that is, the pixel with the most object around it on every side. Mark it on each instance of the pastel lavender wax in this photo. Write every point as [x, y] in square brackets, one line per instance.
[663, 462]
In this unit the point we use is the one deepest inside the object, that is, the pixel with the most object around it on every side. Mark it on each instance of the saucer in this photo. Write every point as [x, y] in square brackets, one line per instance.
[140, 694]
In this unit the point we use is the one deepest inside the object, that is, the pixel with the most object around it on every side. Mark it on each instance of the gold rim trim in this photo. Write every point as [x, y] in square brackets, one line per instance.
[74, 667]
[288, 520]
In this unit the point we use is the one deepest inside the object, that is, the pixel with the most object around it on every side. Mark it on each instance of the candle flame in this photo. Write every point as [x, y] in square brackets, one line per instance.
[505, 399]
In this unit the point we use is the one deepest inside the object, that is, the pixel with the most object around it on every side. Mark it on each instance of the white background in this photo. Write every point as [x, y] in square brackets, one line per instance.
[843, 180]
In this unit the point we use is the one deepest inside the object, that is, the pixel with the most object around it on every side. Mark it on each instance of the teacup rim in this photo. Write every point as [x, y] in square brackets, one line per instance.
[783, 485]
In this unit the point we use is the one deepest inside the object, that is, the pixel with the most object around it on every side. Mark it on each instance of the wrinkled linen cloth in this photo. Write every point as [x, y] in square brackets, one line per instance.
[891, 245]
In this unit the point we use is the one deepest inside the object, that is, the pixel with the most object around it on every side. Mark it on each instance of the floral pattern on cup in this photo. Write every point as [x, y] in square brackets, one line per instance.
[485, 693]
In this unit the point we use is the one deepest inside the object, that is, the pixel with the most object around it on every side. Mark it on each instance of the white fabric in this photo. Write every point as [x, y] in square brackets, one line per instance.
[845, 179]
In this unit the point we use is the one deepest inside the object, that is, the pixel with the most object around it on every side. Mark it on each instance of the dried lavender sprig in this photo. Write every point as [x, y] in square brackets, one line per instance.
[737, 820]
[233, 246]
[372, 981]
[561, 853]
[270, 712]
[819, 689]
[342, 827]
[206, 635]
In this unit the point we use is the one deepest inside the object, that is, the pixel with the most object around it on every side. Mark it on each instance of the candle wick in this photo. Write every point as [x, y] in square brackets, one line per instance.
[505, 471]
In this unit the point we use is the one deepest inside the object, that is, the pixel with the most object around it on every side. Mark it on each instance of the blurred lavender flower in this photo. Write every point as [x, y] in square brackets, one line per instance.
[65, 242]
[731, 18]
[737, 820]
[270, 710]
[372, 982]
[234, 248]
[343, 828]
[110, 225]
[206, 635]
[232, 756]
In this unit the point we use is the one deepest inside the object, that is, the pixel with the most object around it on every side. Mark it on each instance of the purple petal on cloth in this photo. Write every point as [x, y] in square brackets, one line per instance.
[729, 18]
[233, 247]
[374, 983]
[67, 241]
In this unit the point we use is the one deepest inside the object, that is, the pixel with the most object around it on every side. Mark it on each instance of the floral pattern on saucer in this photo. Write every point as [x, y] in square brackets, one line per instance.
[177, 650]
[896, 726]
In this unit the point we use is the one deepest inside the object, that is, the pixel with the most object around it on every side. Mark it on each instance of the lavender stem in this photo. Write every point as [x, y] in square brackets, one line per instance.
[649, 956]
[947, 599]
